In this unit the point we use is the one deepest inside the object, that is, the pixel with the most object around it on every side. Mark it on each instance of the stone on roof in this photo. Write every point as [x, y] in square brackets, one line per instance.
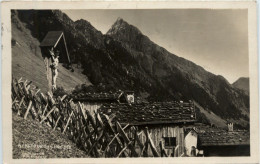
[151, 113]
[219, 137]
[101, 96]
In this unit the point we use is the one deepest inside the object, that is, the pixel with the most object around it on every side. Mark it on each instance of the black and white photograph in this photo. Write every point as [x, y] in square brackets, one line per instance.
[130, 83]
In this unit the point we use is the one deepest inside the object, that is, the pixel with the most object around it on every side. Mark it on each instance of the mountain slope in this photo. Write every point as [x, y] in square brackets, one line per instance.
[242, 83]
[212, 118]
[183, 77]
[124, 58]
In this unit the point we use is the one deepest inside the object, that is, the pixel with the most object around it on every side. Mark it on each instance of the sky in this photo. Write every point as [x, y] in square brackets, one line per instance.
[216, 39]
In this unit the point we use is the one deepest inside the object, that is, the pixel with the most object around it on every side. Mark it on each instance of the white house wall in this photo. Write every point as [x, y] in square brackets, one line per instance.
[191, 139]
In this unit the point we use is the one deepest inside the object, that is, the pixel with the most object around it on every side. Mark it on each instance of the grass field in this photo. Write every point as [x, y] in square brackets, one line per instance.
[34, 140]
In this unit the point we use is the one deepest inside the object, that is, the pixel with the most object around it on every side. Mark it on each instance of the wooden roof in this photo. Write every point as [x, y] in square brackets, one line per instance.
[51, 39]
[97, 97]
[151, 113]
[219, 137]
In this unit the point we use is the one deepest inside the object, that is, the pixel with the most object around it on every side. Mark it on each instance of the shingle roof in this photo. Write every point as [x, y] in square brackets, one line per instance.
[102, 96]
[51, 38]
[221, 137]
[151, 113]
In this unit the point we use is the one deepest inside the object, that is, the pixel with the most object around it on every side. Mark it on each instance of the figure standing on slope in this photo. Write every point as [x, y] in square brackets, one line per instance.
[54, 67]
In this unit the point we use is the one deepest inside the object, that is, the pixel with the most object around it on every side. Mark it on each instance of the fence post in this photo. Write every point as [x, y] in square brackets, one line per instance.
[67, 122]
[44, 118]
[120, 130]
[27, 111]
[148, 137]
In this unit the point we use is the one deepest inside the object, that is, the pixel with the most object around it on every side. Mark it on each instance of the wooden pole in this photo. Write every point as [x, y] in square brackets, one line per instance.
[48, 114]
[124, 136]
[67, 122]
[27, 111]
[56, 123]
[148, 137]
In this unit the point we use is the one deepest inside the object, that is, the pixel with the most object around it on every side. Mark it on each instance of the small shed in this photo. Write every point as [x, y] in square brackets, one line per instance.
[92, 101]
[220, 142]
[56, 40]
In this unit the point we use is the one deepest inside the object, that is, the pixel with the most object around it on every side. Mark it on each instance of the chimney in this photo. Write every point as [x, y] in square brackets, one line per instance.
[181, 103]
[130, 97]
[230, 127]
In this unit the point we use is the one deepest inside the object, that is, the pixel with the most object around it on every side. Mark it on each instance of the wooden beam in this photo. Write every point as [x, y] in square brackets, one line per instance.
[163, 153]
[58, 40]
[66, 48]
[155, 153]
[82, 110]
[110, 127]
[27, 111]
[56, 123]
[37, 92]
[127, 140]
[25, 89]
[20, 80]
[113, 131]
[15, 101]
[114, 138]
[92, 141]
[34, 113]
[67, 122]
[100, 120]
[44, 98]
[45, 108]
[144, 150]
[15, 89]
[124, 149]
[50, 97]
[44, 118]
[63, 97]
[175, 151]
[97, 140]
[141, 145]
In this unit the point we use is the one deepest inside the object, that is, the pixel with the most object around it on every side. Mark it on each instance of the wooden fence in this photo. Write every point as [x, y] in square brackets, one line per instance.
[95, 134]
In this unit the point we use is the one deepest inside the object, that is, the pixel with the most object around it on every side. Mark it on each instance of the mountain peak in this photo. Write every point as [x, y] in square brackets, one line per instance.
[121, 26]
[86, 26]
[83, 22]
[242, 83]
[119, 19]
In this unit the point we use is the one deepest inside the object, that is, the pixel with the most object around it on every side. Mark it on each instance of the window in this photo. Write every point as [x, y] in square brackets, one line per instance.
[169, 142]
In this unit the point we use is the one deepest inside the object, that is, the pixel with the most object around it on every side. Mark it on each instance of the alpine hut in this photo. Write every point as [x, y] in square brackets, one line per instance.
[221, 142]
[92, 101]
[165, 122]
